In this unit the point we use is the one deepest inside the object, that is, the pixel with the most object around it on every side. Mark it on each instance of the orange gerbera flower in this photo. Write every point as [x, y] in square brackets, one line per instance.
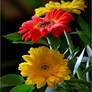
[43, 66]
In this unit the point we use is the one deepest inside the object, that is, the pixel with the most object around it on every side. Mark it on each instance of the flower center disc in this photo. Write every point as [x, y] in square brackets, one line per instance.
[45, 23]
[45, 67]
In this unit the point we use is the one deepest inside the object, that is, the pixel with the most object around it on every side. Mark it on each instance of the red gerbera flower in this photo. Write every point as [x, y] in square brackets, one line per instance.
[54, 22]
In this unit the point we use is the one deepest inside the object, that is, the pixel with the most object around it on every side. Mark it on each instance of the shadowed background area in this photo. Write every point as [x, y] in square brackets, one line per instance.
[13, 14]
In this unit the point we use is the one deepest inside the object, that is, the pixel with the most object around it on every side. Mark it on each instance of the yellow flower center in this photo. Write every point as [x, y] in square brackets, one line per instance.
[45, 67]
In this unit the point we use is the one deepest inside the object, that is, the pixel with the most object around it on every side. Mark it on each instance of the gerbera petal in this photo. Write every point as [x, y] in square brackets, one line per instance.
[22, 31]
[57, 30]
[24, 35]
[35, 35]
[29, 81]
[27, 25]
[44, 32]
[57, 13]
[27, 58]
[48, 15]
[66, 18]
[67, 28]
[40, 82]
[67, 77]
[54, 14]
[24, 67]
[76, 11]
[28, 37]
[50, 84]
[37, 19]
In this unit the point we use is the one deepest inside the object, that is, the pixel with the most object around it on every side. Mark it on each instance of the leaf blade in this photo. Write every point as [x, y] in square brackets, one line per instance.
[16, 38]
[84, 26]
[83, 37]
[78, 61]
[22, 88]
[11, 80]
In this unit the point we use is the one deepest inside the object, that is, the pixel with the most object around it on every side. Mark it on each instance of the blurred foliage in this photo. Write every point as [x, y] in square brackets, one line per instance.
[36, 3]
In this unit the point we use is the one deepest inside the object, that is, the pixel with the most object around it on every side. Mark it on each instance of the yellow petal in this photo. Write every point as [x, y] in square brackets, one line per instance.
[50, 84]
[67, 77]
[27, 58]
[76, 11]
[41, 11]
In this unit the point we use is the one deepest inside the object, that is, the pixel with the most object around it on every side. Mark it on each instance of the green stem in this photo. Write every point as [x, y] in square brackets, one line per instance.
[49, 43]
[71, 46]
[69, 41]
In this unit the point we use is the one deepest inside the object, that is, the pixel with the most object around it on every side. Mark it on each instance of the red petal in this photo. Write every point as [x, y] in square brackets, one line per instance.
[54, 14]
[22, 31]
[37, 19]
[57, 30]
[67, 28]
[24, 35]
[58, 14]
[27, 23]
[28, 37]
[44, 32]
[35, 33]
[66, 18]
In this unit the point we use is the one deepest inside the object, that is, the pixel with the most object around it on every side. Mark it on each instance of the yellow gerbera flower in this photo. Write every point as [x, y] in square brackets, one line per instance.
[48, 7]
[75, 7]
[43, 66]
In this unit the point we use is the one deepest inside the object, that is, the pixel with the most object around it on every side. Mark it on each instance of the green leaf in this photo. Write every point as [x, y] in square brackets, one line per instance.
[69, 41]
[57, 43]
[11, 80]
[13, 36]
[79, 81]
[84, 26]
[60, 90]
[87, 70]
[22, 88]
[83, 37]
[16, 38]
[53, 42]
[40, 41]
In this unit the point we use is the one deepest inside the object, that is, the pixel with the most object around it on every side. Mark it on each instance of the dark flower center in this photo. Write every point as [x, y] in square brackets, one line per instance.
[45, 23]
[45, 67]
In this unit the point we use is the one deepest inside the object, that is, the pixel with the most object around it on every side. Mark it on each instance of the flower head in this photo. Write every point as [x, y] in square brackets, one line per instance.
[43, 66]
[54, 22]
[74, 7]
[48, 7]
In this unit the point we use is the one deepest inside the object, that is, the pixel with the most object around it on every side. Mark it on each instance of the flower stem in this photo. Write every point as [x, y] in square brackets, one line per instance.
[69, 41]
[71, 46]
